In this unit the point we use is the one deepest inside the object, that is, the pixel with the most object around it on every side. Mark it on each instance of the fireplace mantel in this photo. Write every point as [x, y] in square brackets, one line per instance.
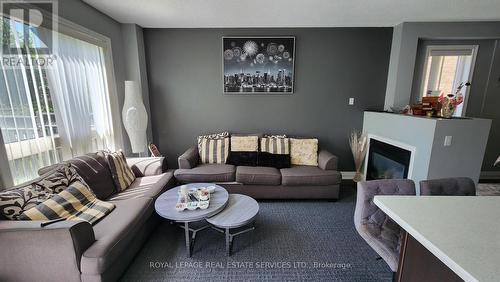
[436, 154]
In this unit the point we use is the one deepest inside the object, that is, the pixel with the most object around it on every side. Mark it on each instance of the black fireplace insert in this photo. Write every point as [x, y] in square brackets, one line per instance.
[386, 161]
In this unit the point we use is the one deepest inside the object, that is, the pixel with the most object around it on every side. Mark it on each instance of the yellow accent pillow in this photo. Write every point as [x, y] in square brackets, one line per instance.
[304, 151]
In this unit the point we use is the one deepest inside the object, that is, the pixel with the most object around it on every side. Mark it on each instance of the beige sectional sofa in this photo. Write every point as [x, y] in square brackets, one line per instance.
[77, 250]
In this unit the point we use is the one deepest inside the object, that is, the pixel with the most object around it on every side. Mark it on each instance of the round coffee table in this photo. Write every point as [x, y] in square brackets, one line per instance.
[240, 211]
[165, 207]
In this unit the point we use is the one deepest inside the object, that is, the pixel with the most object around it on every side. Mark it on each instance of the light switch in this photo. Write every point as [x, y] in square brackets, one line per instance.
[351, 101]
[447, 140]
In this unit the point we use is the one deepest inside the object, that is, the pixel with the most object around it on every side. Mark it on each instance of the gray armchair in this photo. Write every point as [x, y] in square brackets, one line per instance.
[374, 226]
[458, 186]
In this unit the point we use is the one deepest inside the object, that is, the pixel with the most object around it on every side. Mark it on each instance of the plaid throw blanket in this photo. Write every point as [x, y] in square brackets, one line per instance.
[77, 202]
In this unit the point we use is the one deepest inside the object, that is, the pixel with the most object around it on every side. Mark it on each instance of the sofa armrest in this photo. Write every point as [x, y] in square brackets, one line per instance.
[327, 160]
[147, 166]
[189, 159]
[34, 253]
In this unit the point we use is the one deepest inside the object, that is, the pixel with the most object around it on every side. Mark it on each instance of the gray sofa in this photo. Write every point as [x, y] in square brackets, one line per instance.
[296, 182]
[76, 250]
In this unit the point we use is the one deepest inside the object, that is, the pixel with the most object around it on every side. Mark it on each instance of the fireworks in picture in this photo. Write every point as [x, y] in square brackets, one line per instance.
[258, 64]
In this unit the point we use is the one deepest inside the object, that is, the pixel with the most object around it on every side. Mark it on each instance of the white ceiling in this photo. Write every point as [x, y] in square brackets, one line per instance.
[293, 13]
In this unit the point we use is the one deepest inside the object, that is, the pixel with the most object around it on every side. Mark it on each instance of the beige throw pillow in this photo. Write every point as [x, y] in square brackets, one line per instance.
[244, 143]
[304, 151]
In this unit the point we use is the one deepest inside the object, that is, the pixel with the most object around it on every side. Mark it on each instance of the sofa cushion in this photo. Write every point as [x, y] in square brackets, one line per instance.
[304, 151]
[275, 144]
[258, 175]
[147, 166]
[309, 175]
[114, 233]
[94, 170]
[248, 143]
[278, 161]
[206, 173]
[243, 158]
[244, 150]
[147, 186]
[213, 148]
[122, 174]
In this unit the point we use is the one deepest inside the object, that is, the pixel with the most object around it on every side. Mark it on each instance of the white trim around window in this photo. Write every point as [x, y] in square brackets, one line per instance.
[450, 50]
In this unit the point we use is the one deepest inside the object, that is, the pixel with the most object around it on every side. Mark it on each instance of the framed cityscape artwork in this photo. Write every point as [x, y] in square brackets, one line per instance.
[258, 65]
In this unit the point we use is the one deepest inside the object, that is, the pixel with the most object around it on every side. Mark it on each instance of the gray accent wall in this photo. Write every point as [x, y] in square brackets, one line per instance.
[331, 65]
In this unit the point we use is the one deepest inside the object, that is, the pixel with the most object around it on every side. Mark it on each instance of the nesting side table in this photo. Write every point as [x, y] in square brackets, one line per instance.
[240, 211]
[165, 207]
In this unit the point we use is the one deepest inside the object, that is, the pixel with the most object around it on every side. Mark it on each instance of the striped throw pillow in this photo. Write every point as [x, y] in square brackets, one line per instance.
[77, 202]
[122, 174]
[214, 148]
[278, 144]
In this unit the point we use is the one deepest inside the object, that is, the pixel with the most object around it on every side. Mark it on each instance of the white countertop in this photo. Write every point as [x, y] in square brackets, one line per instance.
[463, 232]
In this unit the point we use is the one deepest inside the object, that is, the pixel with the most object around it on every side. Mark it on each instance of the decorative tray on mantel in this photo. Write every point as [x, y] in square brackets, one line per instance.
[193, 199]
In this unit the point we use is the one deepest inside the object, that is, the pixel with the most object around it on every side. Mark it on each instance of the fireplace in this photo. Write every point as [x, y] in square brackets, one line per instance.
[386, 160]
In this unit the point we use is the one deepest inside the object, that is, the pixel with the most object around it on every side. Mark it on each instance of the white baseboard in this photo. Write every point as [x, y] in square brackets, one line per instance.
[490, 175]
[348, 175]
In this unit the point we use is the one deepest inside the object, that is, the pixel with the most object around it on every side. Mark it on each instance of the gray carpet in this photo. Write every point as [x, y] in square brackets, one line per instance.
[294, 241]
[488, 189]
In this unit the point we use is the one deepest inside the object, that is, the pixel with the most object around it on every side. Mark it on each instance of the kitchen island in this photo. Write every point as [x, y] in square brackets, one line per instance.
[447, 238]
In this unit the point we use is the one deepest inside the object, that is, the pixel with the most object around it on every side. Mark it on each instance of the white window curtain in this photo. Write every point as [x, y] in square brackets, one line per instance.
[51, 114]
[27, 121]
[80, 95]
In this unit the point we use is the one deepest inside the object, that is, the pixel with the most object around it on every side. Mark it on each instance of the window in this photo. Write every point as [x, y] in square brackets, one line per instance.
[51, 114]
[445, 68]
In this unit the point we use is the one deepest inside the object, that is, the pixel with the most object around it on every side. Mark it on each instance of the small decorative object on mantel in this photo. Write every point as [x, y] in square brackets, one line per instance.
[431, 105]
[406, 110]
[449, 102]
[359, 143]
